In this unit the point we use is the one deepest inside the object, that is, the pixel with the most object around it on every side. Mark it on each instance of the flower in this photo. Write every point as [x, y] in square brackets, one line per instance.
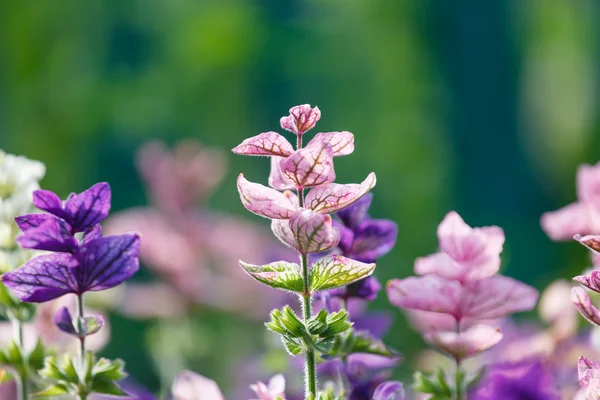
[274, 389]
[92, 264]
[589, 379]
[301, 119]
[461, 285]
[524, 380]
[582, 216]
[390, 390]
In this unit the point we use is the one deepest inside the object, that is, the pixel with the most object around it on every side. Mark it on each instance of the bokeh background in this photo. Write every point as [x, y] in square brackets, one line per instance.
[486, 108]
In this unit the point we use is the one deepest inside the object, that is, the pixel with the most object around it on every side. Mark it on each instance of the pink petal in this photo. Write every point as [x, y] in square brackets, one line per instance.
[313, 232]
[301, 119]
[342, 143]
[265, 144]
[555, 308]
[333, 197]
[439, 264]
[468, 343]
[563, 223]
[281, 229]
[277, 179]
[425, 321]
[582, 301]
[274, 389]
[264, 201]
[477, 250]
[584, 365]
[591, 281]
[191, 386]
[425, 293]
[588, 183]
[310, 166]
[496, 297]
[592, 242]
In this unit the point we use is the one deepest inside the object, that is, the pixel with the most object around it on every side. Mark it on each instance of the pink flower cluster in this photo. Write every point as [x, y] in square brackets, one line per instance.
[458, 290]
[301, 222]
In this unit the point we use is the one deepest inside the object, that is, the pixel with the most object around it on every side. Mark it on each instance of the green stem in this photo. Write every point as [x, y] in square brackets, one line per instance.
[80, 314]
[20, 375]
[310, 365]
[457, 376]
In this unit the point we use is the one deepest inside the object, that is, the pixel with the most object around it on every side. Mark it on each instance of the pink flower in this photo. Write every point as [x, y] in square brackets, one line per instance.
[191, 386]
[582, 216]
[589, 379]
[301, 119]
[466, 253]
[470, 342]
[274, 389]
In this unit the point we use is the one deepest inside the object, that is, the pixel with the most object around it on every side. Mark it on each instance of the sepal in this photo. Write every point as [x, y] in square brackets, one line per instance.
[433, 383]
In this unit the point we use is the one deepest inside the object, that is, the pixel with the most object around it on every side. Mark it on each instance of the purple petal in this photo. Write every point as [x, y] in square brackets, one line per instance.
[426, 293]
[582, 301]
[43, 278]
[341, 143]
[365, 289]
[106, 262]
[301, 119]
[265, 144]
[88, 208]
[277, 179]
[346, 237]
[92, 234]
[592, 242]
[496, 297]
[373, 239]
[333, 197]
[357, 212]
[29, 221]
[64, 321]
[390, 390]
[584, 365]
[310, 166]
[51, 235]
[264, 201]
[281, 229]
[376, 323]
[468, 343]
[50, 202]
[313, 232]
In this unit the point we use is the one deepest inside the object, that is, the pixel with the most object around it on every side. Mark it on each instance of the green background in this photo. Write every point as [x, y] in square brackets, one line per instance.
[486, 108]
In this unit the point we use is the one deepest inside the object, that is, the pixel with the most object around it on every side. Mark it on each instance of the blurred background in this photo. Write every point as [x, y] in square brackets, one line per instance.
[486, 108]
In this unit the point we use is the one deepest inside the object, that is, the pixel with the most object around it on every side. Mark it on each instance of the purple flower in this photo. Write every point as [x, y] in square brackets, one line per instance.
[525, 380]
[98, 265]
[95, 263]
[390, 390]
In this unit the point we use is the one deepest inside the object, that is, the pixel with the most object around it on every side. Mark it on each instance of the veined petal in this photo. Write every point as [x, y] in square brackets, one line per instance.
[592, 242]
[309, 166]
[440, 264]
[373, 239]
[106, 262]
[566, 222]
[89, 207]
[265, 144]
[29, 221]
[342, 143]
[50, 202]
[496, 297]
[51, 235]
[582, 301]
[313, 232]
[389, 390]
[468, 343]
[281, 229]
[279, 275]
[333, 197]
[336, 271]
[277, 179]
[426, 293]
[584, 365]
[43, 278]
[92, 234]
[264, 201]
[591, 281]
[64, 321]
[301, 119]
[357, 212]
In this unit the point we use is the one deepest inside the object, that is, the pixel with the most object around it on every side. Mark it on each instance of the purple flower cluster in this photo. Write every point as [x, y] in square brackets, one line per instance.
[77, 264]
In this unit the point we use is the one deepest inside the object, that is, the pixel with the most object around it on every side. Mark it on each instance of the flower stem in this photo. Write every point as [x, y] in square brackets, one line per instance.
[80, 314]
[310, 365]
[20, 375]
[457, 376]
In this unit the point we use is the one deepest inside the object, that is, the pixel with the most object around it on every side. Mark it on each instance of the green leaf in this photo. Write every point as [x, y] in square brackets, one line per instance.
[280, 275]
[53, 391]
[68, 368]
[364, 342]
[325, 345]
[109, 370]
[36, 357]
[13, 353]
[52, 371]
[292, 346]
[107, 387]
[336, 271]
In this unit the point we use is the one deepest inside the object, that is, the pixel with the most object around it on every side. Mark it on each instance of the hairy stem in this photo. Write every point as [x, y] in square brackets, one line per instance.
[20, 376]
[310, 369]
[457, 375]
[80, 314]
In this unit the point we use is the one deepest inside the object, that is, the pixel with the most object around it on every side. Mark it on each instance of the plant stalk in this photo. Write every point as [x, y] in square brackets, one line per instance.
[80, 314]
[20, 378]
[457, 376]
[310, 364]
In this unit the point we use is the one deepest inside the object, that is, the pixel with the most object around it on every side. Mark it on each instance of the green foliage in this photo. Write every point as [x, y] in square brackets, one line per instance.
[67, 375]
[278, 275]
[333, 272]
[434, 383]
